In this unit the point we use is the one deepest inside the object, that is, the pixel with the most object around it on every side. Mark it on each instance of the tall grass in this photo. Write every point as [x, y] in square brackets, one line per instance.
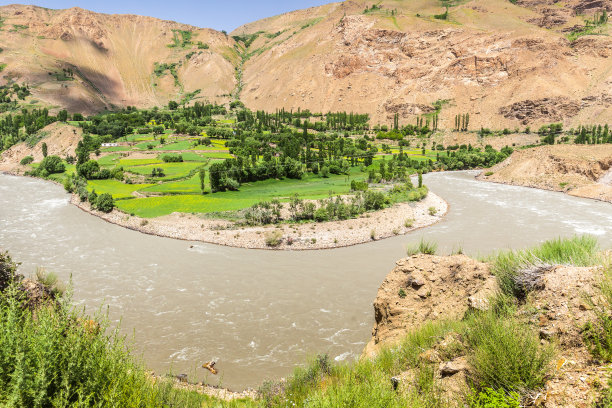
[49, 358]
[367, 382]
[577, 251]
[598, 334]
[423, 247]
[506, 353]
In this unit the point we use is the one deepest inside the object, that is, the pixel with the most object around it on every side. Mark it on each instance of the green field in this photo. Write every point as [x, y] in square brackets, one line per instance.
[171, 170]
[115, 149]
[180, 191]
[192, 201]
[116, 188]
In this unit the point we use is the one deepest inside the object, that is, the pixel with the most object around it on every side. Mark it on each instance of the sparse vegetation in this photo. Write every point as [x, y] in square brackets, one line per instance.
[274, 238]
[443, 16]
[517, 270]
[423, 247]
[181, 39]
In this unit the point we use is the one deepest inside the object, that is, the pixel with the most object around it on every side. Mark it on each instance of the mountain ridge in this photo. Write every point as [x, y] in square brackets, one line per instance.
[395, 58]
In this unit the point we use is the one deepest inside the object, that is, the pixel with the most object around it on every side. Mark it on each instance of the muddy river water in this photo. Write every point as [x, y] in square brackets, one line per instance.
[258, 313]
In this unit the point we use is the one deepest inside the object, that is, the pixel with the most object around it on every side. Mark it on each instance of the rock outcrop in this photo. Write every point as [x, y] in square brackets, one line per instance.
[423, 288]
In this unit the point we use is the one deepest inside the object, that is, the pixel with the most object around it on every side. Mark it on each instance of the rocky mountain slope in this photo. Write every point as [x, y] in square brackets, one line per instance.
[86, 62]
[507, 65]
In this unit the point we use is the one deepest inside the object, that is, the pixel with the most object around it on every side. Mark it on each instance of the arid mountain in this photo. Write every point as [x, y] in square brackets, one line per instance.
[507, 65]
[87, 61]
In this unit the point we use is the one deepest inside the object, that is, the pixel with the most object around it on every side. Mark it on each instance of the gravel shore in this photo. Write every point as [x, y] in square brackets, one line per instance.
[396, 220]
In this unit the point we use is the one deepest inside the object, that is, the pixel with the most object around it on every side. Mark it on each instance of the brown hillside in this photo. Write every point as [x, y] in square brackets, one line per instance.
[112, 57]
[507, 65]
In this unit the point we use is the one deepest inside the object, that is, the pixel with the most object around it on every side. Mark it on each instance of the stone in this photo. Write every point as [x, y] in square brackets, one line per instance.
[546, 334]
[430, 356]
[453, 367]
[395, 381]
[416, 282]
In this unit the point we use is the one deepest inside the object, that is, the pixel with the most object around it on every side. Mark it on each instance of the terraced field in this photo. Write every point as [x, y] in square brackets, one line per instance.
[179, 189]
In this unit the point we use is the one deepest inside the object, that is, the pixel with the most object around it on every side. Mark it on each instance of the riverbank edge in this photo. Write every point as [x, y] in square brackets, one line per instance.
[173, 226]
[386, 223]
[481, 177]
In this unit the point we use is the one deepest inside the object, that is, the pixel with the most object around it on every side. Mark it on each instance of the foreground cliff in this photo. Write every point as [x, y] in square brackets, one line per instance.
[553, 320]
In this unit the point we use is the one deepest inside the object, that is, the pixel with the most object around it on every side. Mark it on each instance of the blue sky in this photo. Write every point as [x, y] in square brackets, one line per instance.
[220, 15]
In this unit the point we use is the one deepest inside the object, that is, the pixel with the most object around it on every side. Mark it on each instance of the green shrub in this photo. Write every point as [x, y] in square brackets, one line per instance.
[432, 211]
[105, 203]
[26, 160]
[374, 200]
[172, 158]
[489, 398]
[506, 354]
[55, 357]
[359, 185]
[321, 215]
[8, 270]
[52, 165]
[324, 172]
[92, 198]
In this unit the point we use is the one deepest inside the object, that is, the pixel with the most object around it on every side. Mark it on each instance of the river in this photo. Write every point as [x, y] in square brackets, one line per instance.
[259, 313]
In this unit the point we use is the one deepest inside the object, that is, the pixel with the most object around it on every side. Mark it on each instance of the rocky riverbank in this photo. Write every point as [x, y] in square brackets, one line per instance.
[578, 170]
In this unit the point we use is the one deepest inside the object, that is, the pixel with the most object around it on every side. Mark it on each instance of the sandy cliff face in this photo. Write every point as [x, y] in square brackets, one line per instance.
[425, 288]
[583, 171]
